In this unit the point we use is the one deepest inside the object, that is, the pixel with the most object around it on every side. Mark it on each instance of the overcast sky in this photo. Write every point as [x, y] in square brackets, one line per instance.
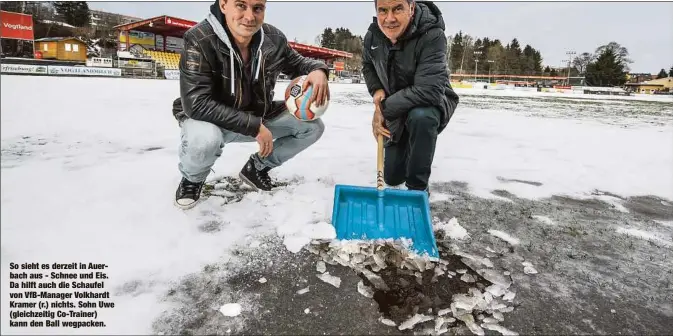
[644, 28]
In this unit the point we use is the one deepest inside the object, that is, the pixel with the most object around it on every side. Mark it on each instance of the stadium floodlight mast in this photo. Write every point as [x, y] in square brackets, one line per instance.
[570, 54]
[476, 62]
[489, 69]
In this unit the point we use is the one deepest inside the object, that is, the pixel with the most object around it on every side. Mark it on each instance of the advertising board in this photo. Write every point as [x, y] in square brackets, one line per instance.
[99, 62]
[23, 69]
[84, 71]
[172, 74]
[16, 26]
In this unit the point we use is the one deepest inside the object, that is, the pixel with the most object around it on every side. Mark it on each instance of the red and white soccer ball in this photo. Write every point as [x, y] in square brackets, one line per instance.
[302, 104]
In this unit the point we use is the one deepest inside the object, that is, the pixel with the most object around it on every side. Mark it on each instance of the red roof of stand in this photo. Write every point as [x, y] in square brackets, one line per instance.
[161, 25]
[307, 50]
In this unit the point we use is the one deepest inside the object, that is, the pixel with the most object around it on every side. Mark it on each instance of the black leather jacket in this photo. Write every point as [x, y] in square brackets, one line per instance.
[211, 73]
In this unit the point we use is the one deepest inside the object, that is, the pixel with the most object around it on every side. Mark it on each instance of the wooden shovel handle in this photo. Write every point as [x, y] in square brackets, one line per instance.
[379, 163]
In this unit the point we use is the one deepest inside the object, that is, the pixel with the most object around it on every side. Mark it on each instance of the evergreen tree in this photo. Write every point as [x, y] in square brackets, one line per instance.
[328, 39]
[607, 70]
[662, 74]
[74, 13]
[670, 72]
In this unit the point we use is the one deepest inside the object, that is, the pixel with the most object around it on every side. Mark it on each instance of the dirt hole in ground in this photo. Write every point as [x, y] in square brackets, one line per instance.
[427, 294]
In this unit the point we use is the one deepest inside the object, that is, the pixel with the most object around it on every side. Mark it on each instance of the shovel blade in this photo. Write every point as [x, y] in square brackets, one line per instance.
[364, 213]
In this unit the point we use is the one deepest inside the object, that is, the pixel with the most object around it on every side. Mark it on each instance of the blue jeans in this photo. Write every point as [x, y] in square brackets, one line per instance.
[202, 143]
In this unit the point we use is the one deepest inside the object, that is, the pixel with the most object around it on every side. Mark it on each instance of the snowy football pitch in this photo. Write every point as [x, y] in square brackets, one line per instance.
[580, 187]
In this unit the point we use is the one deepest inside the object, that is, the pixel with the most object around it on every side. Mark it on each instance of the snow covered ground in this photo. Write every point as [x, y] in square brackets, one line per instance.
[89, 171]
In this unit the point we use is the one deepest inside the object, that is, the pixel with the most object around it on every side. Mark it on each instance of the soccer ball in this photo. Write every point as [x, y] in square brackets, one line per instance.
[301, 104]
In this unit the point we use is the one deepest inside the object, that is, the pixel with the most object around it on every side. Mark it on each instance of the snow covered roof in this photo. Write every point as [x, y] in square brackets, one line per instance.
[57, 39]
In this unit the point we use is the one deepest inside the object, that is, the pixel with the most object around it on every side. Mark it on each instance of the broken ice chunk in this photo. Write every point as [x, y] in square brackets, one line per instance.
[467, 278]
[231, 309]
[320, 266]
[462, 271]
[376, 280]
[330, 279]
[507, 309]
[411, 322]
[262, 280]
[379, 260]
[364, 290]
[469, 322]
[387, 322]
[499, 329]
[509, 296]
[490, 320]
[495, 290]
[306, 311]
[498, 316]
[303, 291]
[528, 268]
[443, 312]
[495, 277]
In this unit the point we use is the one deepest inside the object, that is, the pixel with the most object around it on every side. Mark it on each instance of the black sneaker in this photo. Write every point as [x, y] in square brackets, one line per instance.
[257, 179]
[188, 194]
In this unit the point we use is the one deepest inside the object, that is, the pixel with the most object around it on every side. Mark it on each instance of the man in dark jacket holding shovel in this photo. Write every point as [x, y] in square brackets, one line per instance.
[404, 65]
[228, 71]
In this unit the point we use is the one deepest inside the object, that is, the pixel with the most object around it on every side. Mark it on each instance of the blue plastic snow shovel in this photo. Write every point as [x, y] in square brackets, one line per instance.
[365, 213]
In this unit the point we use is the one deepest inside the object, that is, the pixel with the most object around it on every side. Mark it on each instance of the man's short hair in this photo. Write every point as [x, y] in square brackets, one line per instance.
[376, 2]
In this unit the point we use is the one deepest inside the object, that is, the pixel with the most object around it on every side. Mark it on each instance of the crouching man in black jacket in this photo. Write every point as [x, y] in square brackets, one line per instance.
[228, 71]
[404, 66]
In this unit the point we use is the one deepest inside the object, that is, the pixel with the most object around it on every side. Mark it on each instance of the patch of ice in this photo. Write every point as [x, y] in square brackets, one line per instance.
[528, 268]
[364, 290]
[231, 309]
[499, 328]
[467, 278]
[303, 291]
[443, 312]
[504, 236]
[650, 236]
[544, 219]
[387, 322]
[471, 324]
[294, 244]
[665, 223]
[412, 321]
[453, 229]
[330, 279]
[509, 296]
[438, 197]
[320, 266]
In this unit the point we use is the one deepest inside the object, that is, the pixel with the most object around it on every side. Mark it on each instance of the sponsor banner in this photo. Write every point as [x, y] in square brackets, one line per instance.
[171, 21]
[16, 26]
[338, 66]
[133, 63]
[136, 37]
[86, 71]
[172, 74]
[24, 68]
[99, 62]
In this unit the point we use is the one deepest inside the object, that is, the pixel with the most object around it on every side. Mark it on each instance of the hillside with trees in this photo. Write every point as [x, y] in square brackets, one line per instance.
[60, 19]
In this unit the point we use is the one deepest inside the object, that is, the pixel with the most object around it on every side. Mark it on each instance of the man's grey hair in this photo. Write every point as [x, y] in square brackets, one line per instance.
[376, 2]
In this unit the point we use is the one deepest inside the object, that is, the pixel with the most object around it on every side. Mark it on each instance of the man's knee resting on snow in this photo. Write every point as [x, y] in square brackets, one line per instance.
[200, 139]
